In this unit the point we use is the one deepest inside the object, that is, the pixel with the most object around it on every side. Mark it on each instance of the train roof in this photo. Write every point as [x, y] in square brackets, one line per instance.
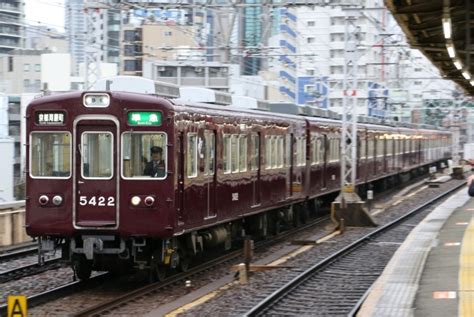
[283, 111]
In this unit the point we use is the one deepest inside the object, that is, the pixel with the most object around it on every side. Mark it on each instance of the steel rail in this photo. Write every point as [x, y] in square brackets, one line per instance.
[24, 250]
[28, 270]
[277, 295]
[108, 306]
[61, 291]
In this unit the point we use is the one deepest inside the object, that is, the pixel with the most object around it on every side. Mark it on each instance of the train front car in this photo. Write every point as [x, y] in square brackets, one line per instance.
[98, 181]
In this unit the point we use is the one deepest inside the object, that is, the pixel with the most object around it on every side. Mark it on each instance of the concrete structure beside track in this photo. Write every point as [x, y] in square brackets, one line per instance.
[12, 223]
[431, 274]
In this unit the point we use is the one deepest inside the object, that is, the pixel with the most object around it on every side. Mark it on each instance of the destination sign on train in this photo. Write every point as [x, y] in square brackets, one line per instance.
[147, 118]
[50, 117]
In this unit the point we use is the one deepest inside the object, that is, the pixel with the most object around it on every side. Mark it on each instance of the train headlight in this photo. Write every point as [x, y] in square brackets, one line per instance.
[149, 201]
[43, 200]
[98, 100]
[135, 200]
[57, 200]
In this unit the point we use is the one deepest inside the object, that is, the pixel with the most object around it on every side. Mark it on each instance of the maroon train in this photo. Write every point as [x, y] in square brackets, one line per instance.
[227, 173]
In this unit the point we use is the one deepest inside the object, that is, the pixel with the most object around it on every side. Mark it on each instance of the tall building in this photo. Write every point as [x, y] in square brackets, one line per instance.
[158, 42]
[11, 25]
[20, 71]
[105, 30]
[75, 25]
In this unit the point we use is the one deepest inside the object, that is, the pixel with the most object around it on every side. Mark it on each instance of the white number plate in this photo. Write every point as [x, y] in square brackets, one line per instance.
[100, 201]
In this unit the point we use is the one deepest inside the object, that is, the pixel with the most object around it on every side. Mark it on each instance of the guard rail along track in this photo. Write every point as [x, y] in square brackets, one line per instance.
[304, 294]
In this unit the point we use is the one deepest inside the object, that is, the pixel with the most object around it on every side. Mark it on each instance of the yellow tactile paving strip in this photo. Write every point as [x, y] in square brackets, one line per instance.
[466, 273]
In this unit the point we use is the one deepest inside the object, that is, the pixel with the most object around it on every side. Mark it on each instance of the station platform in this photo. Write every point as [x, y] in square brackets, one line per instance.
[432, 273]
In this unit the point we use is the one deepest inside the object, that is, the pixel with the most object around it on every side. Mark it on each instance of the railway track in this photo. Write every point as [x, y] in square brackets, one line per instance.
[108, 306]
[21, 251]
[29, 269]
[61, 291]
[338, 284]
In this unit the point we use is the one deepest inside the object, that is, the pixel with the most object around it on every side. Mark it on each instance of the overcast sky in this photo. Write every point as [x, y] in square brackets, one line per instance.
[45, 12]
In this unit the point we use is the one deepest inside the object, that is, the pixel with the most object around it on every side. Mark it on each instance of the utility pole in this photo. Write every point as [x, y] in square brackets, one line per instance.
[92, 47]
[348, 207]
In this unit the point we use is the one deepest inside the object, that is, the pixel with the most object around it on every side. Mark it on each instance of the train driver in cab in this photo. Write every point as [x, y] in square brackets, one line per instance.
[156, 167]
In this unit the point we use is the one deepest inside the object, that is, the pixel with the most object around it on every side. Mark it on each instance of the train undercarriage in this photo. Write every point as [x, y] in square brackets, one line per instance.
[101, 252]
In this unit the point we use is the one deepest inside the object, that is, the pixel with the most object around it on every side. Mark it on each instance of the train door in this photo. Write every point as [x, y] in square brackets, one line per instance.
[180, 179]
[96, 174]
[255, 167]
[210, 171]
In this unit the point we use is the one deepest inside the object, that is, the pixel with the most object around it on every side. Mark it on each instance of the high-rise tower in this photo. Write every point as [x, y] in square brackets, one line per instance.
[11, 25]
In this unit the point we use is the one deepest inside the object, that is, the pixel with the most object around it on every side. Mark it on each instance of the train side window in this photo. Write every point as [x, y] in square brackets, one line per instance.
[243, 153]
[255, 151]
[50, 155]
[226, 153]
[314, 150]
[301, 154]
[298, 151]
[191, 155]
[274, 151]
[209, 152]
[380, 145]
[288, 154]
[234, 152]
[280, 151]
[322, 149]
[331, 147]
[370, 148]
[268, 152]
[97, 155]
[389, 143]
[362, 148]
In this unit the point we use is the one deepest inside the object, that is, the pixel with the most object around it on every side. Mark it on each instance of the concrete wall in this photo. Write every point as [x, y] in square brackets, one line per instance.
[156, 35]
[3, 115]
[12, 227]
[6, 163]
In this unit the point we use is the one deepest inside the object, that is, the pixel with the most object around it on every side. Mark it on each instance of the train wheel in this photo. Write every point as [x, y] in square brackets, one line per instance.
[82, 267]
[184, 261]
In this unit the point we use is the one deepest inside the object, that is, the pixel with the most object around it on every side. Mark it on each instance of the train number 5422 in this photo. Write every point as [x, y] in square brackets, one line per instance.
[100, 201]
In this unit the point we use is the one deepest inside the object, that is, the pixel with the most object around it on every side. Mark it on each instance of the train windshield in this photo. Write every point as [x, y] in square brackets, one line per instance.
[144, 155]
[50, 154]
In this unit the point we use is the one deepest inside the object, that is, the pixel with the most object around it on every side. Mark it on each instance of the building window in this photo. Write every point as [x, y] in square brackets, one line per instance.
[310, 72]
[37, 67]
[417, 69]
[26, 83]
[310, 40]
[132, 36]
[168, 33]
[10, 63]
[311, 23]
[26, 67]
[418, 82]
[132, 65]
